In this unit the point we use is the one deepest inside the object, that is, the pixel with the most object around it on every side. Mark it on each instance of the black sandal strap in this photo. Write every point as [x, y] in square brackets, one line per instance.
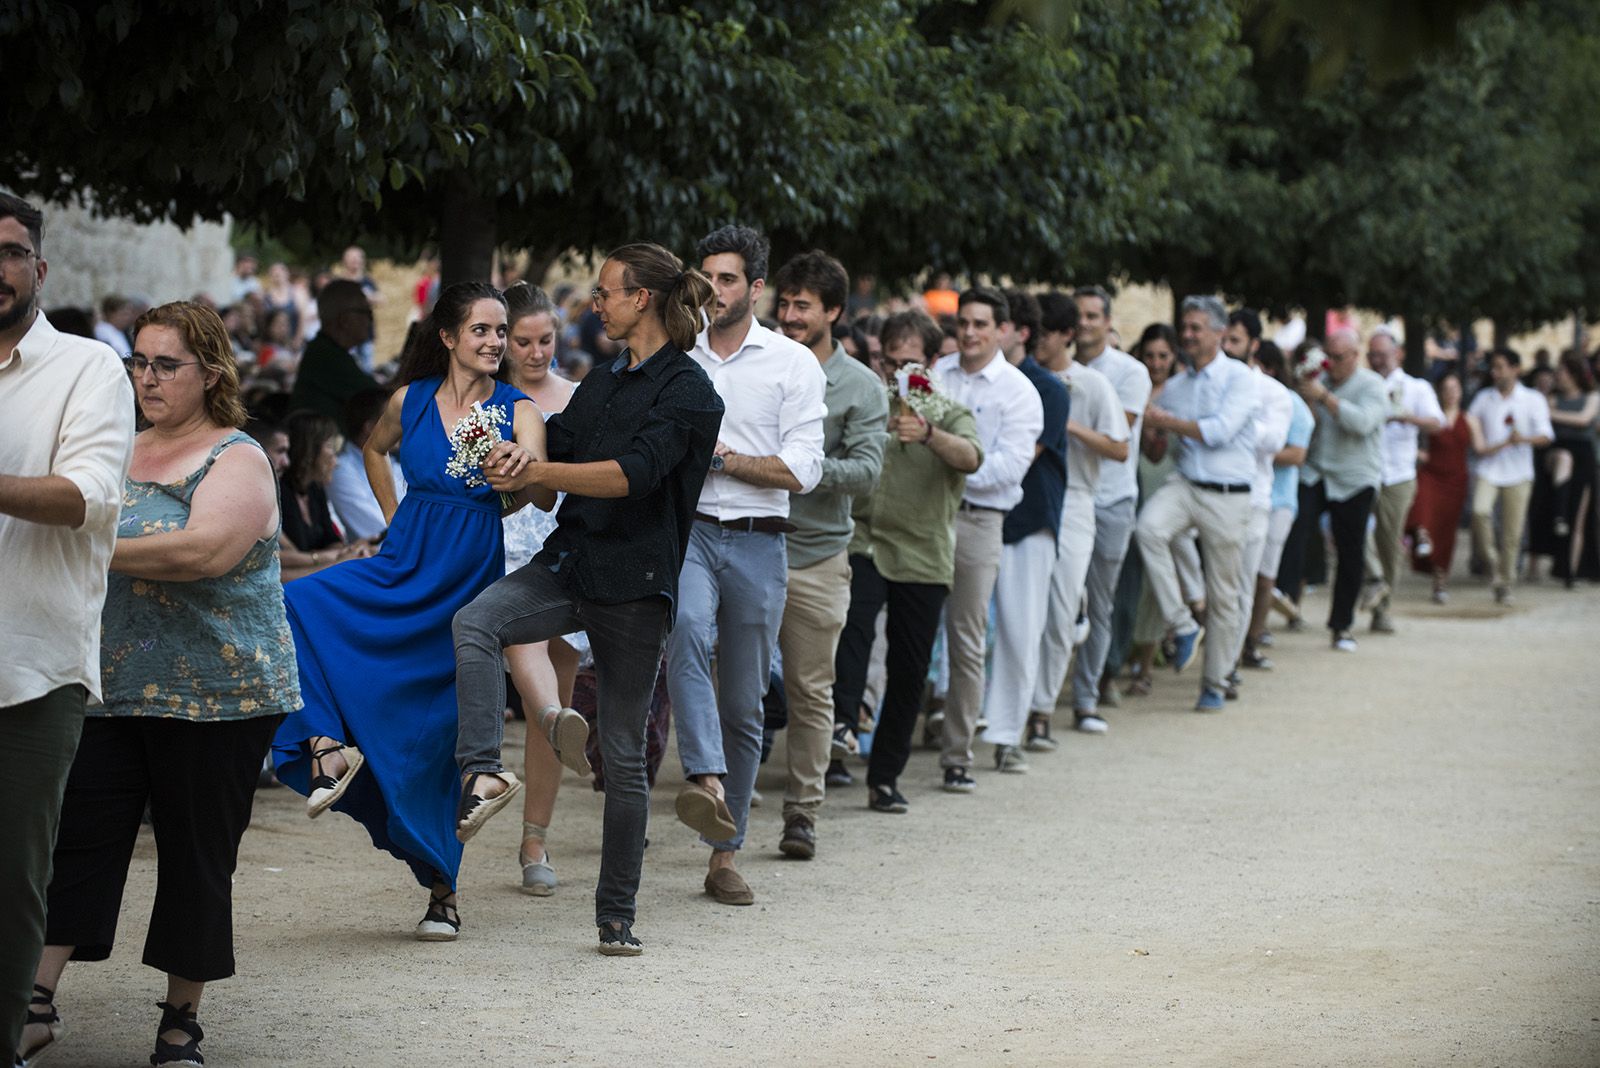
[178, 1018]
[440, 910]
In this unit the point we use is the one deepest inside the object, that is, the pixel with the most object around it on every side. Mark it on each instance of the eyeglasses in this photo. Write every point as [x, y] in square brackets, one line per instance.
[165, 367]
[14, 254]
[599, 295]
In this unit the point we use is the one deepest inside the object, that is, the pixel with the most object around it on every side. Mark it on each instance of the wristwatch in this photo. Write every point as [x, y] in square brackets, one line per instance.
[716, 463]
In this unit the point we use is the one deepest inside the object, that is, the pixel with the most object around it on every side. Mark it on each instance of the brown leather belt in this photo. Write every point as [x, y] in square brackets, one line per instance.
[755, 524]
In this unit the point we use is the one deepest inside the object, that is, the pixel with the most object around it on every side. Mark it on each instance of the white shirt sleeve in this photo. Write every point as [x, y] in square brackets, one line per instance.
[1022, 421]
[800, 419]
[95, 446]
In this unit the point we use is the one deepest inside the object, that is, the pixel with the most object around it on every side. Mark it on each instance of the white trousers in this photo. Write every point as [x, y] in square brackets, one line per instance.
[1074, 548]
[1021, 602]
[1255, 547]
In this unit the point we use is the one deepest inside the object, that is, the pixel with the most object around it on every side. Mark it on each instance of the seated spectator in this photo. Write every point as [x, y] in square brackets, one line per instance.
[329, 374]
[277, 348]
[311, 538]
[274, 441]
[349, 490]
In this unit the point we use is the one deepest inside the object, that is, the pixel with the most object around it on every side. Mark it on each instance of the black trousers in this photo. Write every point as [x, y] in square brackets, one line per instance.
[1347, 521]
[912, 624]
[200, 782]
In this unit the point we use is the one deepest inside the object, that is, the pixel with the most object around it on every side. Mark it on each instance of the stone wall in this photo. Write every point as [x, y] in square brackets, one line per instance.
[91, 256]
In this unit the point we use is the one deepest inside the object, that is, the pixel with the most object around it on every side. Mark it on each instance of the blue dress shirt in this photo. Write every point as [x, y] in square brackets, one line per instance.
[1223, 400]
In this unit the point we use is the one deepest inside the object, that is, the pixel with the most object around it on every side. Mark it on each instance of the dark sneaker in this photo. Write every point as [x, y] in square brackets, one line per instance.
[886, 799]
[1253, 658]
[844, 741]
[837, 774]
[616, 940]
[957, 781]
[799, 837]
[1038, 738]
[1009, 759]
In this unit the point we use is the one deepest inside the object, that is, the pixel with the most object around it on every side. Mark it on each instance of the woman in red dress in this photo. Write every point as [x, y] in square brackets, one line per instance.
[1441, 490]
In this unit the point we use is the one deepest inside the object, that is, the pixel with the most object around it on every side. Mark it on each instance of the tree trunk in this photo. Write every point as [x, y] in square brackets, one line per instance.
[1502, 336]
[1416, 347]
[466, 232]
[1317, 319]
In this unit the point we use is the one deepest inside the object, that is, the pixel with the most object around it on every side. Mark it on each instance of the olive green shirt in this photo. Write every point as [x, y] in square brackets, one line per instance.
[852, 453]
[907, 525]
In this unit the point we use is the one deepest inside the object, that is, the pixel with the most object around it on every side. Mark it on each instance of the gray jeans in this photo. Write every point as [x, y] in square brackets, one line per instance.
[731, 597]
[1113, 530]
[533, 605]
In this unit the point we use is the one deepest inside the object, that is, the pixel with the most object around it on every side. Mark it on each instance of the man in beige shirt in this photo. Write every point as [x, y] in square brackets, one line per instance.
[67, 409]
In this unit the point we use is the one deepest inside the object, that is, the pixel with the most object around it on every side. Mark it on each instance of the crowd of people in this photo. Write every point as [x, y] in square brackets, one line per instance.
[966, 511]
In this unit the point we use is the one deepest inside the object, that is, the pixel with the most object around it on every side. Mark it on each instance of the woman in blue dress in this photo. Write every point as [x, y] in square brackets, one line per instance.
[376, 738]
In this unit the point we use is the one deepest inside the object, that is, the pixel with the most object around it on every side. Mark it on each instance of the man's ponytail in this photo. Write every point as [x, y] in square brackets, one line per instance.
[681, 295]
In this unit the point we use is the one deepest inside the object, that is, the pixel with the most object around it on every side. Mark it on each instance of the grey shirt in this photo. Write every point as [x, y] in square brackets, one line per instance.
[1347, 452]
[852, 456]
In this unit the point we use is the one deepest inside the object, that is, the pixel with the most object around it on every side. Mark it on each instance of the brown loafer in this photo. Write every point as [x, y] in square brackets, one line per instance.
[706, 813]
[729, 887]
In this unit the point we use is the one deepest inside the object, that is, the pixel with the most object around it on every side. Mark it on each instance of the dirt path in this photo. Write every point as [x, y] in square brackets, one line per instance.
[1389, 858]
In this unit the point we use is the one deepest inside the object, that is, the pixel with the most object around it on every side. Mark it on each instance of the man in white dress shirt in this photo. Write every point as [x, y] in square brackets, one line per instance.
[736, 570]
[1114, 499]
[67, 411]
[1009, 417]
[1509, 422]
[1097, 441]
[1413, 410]
[1212, 408]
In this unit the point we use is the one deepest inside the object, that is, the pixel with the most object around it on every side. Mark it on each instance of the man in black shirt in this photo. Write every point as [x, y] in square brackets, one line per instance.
[631, 451]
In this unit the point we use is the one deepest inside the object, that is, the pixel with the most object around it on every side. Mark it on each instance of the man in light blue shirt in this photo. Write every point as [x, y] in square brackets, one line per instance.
[1212, 408]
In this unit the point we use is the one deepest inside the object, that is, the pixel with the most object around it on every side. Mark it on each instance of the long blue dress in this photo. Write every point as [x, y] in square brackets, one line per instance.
[377, 660]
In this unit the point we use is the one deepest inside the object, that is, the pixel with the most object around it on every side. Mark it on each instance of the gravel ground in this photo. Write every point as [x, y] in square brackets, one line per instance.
[1385, 858]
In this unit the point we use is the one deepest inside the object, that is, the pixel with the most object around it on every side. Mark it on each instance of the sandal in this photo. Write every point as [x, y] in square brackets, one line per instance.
[442, 921]
[325, 789]
[567, 732]
[1139, 687]
[473, 810]
[538, 877]
[45, 1014]
[178, 1018]
[616, 939]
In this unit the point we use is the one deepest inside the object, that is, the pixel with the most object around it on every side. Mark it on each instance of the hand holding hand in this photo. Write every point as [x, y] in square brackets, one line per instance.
[507, 459]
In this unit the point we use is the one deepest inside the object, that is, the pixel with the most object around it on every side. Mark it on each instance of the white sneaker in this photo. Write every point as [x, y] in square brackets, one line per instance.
[1080, 630]
[1089, 723]
[1343, 642]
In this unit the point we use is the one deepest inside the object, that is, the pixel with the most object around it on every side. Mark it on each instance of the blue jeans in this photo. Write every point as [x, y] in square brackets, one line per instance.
[730, 598]
[533, 605]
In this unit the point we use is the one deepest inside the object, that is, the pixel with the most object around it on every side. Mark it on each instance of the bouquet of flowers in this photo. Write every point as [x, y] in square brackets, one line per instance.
[914, 389]
[471, 440]
[1309, 362]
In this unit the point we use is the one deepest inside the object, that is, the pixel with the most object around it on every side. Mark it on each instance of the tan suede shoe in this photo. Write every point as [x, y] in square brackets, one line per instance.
[706, 812]
[729, 887]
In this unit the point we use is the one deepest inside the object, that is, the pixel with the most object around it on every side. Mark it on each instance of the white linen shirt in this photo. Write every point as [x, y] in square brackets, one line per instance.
[350, 493]
[773, 390]
[1272, 433]
[1529, 412]
[1224, 401]
[1131, 379]
[1407, 396]
[66, 408]
[1095, 404]
[1009, 416]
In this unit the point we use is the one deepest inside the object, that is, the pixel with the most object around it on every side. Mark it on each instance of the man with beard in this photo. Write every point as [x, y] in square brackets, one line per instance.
[67, 410]
[812, 289]
[736, 571]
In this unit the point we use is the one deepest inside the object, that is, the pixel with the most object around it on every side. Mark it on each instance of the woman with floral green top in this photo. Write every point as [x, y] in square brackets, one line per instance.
[198, 669]
[903, 554]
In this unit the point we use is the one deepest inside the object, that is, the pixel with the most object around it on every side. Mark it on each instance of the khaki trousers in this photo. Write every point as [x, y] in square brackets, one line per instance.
[1223, 521]
[1513, 500]
[1383, 542]
[813, 616]
[966, 617]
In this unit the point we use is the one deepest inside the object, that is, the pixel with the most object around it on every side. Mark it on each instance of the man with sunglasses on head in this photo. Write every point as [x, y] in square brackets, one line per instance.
[67, 409]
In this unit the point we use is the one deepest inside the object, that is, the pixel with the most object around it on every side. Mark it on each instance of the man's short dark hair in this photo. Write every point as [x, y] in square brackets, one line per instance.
[751, 246]
[1507, 353]
[1095, 291]
[29, 217]
[818, 272]
[1058, 313]
[1024, 315]
[990, 296]
[1249, 320]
